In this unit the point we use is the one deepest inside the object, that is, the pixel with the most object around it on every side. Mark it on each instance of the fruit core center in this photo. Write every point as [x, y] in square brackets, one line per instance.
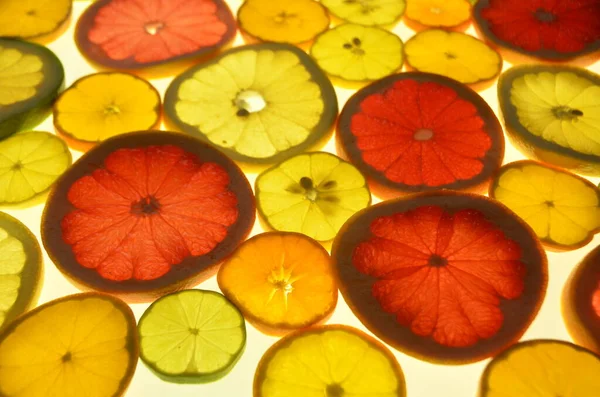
[152, 28]
[549, 204]
[566, 113]
[334, 390]
[365, 5]
[31, 13]
[249, 101]
[112, 109]
[450, 55]
[17, 166]
[194, 331]
[146, 206]
[281, 282]
[424, 134]
[437, 261]
[436, 10]
[309, 190]
[283, 16]
[544, 16]
[355, 46]
[66, 357]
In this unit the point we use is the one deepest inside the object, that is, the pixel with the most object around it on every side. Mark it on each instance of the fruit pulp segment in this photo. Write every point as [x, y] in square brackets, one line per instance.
[12, 262]
[20, 75]
[367, 12]
[445, 13]
[36, 17]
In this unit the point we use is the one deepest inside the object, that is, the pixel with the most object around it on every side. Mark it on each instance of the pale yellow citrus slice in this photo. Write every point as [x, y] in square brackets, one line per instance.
[366, 12]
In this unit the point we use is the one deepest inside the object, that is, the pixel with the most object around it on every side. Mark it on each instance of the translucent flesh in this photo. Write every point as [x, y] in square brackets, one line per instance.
[366, 12]
[36, 17]
[20, 74]
[439, 12]
[12, 262]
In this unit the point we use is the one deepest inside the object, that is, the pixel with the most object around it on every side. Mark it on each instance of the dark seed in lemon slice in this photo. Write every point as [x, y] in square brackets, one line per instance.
[146, 213]
[414, 132]
[32, 18]
[446, 277]
[20, 269]
[30, 78]
[581, 302]
[551, 114]
[329, 361]
[79, 345]
[129, 34]
[258, 104]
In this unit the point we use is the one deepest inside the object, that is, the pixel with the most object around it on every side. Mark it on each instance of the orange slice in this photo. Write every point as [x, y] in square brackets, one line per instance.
[438, 13]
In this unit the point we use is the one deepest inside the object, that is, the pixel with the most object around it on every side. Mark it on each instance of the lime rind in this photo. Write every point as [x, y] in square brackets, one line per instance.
[192, 336]
[367, 12]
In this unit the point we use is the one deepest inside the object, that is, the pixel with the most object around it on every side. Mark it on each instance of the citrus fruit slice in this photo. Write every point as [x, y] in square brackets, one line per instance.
[562, 208]
[35, 17]
[30, 162]
[581, 302]
[438, 13]
[191, 336]
[241, 102]
[30, 78]
[446, 277]
[542, 368]
[79, 345]
[554, 30]
[146, 213]
[452, 54]
[358, 53]
[133, 34]
[292, 22]
[413, 132]
[20, 269]
[280, 281]
[313, 194]
[366, 12]
[102, 105]
[551, 115]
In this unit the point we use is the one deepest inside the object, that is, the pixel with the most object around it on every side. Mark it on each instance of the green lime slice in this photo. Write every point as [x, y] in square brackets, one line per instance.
[312, 193]
[191, 336]
[20, 268]
[30, 162]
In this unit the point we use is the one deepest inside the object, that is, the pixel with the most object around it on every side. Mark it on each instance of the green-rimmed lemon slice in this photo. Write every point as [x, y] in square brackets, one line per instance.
[192, 336]
[357, 53]
[20, 268]
[366, 12]
[312, 193]
[32, 18]
[259, 103]
[30, 78]
[329, 361]
[30, 162]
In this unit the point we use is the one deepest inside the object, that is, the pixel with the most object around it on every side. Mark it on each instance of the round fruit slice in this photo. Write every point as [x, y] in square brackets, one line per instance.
[453, 54]
[358, 53]
[192, 336]
[330, 361]
[581, 302]
[445, 277]
[366, 12]
[242, 102]
[554, 30]
[30, 162]
[542, 368]
[280, 281]
[30, 78]
[102, 105]
[133, 34]
[32, 18]
[79, 345]
[413, 132]
[20, 269]
[562, 208]
[292, 22]
[551, 114]
[312, 193]
[439, 13]
[146, 213]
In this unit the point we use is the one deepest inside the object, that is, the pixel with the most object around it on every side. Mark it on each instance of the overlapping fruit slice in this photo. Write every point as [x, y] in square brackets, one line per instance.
[259, 103]
[145, 213]
[79, 345]
[438, 13]
[551, 114]
[30, 78]
[291, 22]
[312, 193]
[542, 368]
[102, 105]
[453, 54]
[30, 162]
[366, 12]
[554, 30]
[329, 361]
[581, 302]
[358, 53]
[20, 269]
[446, 277]
[562, 208]
[416, 131]
[191, 336]
[133, 34]
[280, 281]
[32, 18]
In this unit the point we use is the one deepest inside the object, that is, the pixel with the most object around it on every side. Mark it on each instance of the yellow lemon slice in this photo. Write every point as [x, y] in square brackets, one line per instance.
[366, 12]
[439, 13]
[35, 17]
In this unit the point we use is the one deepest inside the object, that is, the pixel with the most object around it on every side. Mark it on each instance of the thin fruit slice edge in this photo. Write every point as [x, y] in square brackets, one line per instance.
[361, 12]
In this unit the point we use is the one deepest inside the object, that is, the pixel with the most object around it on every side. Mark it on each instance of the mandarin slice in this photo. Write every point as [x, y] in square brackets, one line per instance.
[366, 12]
[32, 18]
[438, 13]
